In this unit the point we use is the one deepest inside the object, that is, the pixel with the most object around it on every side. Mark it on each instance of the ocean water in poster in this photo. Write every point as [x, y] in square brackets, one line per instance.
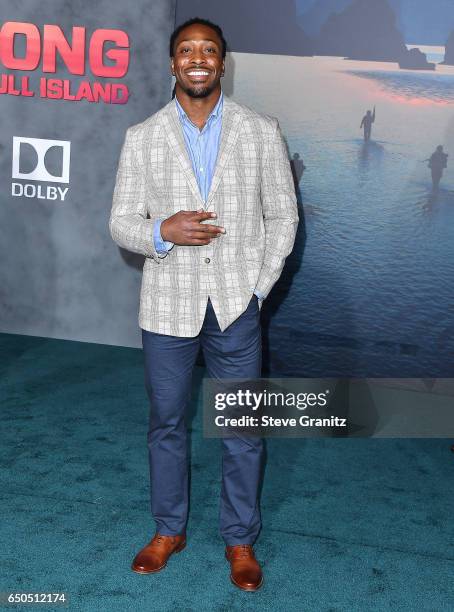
[369, 287]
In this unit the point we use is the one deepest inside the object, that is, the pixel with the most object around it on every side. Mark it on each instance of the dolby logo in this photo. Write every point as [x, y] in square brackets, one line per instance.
[40, 160]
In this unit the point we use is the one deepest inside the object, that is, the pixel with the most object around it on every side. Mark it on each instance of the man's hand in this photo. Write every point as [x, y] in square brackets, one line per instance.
[185, 228]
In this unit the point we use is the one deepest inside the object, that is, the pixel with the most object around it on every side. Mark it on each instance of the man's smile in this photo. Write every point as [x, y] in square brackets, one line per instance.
[197, 74]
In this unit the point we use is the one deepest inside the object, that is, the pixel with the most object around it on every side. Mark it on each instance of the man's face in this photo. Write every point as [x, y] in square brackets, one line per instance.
[197, 62]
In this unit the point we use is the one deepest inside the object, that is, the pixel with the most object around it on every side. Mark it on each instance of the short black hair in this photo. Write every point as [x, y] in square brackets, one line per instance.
[190, 22]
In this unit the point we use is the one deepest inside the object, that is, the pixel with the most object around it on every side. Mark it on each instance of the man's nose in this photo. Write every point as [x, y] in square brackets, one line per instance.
[198, 58]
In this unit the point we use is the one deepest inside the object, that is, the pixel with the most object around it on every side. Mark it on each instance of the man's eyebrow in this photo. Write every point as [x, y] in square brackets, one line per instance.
[204, 40]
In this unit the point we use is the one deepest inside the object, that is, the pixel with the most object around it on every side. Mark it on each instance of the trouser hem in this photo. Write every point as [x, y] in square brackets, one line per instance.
[238, 541]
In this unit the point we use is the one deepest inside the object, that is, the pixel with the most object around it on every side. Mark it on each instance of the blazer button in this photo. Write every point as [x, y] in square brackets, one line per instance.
[207, 260]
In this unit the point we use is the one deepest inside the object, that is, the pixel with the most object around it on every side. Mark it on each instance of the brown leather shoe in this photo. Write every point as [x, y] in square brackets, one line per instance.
[245, 569]
[153, 557]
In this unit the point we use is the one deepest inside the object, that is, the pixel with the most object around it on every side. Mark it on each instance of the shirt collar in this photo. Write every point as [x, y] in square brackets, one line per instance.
[214, 113]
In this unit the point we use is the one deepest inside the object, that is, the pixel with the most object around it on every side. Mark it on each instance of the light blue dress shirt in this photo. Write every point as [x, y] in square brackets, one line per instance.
[202, 146]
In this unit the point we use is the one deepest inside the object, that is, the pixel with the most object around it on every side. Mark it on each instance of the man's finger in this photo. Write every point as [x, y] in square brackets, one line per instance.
[204, 215]
[208, 228]
[199, 233]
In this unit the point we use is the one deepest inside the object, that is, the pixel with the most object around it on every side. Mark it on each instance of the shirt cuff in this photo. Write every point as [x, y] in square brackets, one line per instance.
[161, 246]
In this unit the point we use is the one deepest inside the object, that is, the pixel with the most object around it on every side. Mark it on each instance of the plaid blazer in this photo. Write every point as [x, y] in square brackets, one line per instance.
[252, 192]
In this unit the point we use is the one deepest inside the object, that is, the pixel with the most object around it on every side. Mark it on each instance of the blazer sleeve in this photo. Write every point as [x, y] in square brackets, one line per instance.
[279, 209]
[128, 223]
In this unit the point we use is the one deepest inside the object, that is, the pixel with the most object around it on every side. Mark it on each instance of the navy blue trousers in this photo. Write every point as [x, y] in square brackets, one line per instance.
[169, 362]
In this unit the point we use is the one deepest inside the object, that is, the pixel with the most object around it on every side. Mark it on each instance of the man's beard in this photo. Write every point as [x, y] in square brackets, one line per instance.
[199, 92]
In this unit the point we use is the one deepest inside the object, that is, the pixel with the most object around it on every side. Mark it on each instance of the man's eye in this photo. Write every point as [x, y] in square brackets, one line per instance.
[211, 49]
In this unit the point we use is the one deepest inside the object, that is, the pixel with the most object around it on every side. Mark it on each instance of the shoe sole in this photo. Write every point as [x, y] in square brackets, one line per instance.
[176, 551]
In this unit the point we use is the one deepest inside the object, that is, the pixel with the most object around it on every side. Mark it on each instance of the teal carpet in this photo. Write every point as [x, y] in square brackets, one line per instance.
[347, 524]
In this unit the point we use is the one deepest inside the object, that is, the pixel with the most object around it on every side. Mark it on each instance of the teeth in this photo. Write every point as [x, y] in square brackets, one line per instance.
[198, 73]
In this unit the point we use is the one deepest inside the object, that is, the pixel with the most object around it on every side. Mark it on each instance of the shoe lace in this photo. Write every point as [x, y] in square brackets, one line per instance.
[156, 540]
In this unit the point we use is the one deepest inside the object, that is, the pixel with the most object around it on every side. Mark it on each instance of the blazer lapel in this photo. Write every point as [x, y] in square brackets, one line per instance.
[174, 133]
[231, 122]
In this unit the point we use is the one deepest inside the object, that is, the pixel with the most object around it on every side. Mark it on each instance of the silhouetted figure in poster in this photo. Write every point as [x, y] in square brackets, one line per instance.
[298, 168]
[438, 161]
[366, 123]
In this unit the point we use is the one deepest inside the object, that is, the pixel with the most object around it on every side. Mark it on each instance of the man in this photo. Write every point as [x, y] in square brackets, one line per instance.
[298, 168]
[214, 178]
[366, 123]
[438, 161]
